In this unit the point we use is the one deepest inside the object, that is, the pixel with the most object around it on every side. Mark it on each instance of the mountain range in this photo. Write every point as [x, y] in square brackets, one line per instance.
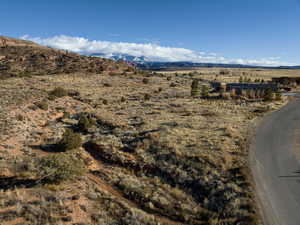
[143, 62]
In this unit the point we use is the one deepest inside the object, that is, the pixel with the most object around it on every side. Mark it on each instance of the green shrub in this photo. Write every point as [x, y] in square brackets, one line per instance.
[146, 81]
[42, 104]
[56, 168]
[58, 92]
[195, 89]
[85, 122]
[204, 91]
[147, 97]
[66, 115]
[20, 117]
[278, 96]
[123, 99]
[268, 95]
[69, 141]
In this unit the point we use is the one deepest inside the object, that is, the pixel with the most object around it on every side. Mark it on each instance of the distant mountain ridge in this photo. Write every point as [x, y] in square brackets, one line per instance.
[125, 57]
[185, 65]
[143, 62]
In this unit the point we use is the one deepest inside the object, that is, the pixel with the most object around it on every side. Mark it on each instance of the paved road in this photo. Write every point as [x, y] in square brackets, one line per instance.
[275, 166]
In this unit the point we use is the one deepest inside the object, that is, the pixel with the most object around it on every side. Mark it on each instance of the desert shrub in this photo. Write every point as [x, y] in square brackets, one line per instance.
[85, 122]
[69, 141]
[204, 91]
[60, 167]
[22, 166]
[160, 89]
[107, 85]
[20, 117]
[58, 92]
[123, 99]
[51, 97]
[147, 97]
[268, 95]
[224, 72]
[173, 84]
[33, 107]
[42, 104]
[146, 81]
[105, 102]
[66, 115]
[195, 89]
[278, 96]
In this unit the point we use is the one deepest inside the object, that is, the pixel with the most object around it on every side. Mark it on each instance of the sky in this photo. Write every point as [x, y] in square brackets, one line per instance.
[258, 32]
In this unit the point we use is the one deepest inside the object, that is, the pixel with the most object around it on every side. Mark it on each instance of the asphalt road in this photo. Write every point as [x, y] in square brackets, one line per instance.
[275, 165]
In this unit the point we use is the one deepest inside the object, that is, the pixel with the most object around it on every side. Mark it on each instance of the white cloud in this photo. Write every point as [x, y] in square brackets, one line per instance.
[152, 52]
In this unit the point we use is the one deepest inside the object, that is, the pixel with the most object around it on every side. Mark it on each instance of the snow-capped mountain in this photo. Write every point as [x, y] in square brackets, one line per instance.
[146, 63]
[124, 57]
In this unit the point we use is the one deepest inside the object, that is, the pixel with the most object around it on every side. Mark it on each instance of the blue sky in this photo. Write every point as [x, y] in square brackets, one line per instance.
[248, 31]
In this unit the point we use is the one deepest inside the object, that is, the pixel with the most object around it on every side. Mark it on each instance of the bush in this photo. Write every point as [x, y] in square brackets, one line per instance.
[42, 104]
[66, 115]
[146, 81]
[147, 97]
[69, 141]
[123, 99]
[60, 167]
[205, 91]
[268, 95]
[278, 96]
[85, 122]
[195, 89]
[58, 92]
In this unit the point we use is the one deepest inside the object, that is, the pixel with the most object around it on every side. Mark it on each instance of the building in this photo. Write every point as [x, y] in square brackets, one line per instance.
[286, 80]
[240, 88]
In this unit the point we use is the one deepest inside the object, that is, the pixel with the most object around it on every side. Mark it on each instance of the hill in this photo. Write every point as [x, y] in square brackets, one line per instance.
[19, 58]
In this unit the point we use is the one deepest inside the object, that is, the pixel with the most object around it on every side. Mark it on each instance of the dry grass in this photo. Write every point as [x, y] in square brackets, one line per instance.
[233, 75]
[170, 159]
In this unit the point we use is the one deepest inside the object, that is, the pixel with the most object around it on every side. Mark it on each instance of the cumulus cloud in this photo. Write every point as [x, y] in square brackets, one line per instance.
[152, 52]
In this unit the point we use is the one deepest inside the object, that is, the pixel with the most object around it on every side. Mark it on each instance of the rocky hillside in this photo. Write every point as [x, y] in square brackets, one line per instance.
[22, 58]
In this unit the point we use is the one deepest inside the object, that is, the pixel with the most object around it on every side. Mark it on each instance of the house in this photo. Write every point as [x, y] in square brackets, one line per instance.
[240, 88]
[286, 80]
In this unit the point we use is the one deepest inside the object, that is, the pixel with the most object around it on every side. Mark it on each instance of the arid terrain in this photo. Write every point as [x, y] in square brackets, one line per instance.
[128, 147]
[233, 74]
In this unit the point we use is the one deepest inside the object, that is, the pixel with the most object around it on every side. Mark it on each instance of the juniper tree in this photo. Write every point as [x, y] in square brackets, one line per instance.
[195, 89]
[204, 91]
